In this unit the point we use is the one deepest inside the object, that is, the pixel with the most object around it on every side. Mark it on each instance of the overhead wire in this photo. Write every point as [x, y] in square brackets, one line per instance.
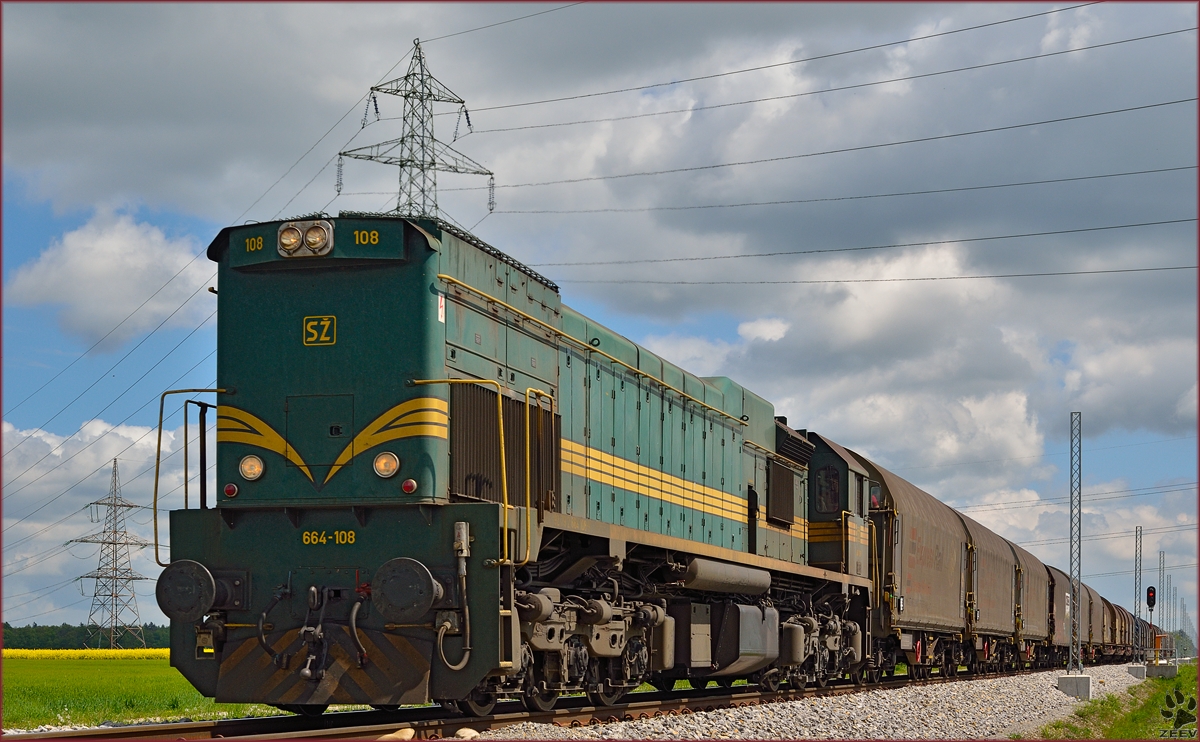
[1056, 453]
[65, 440]
[103, 466]
[883, 280]
[1107, 535]
[858, 248]
[1060, 501]
[111, 368]
[829, 199]
[840, 150]
[789, 96]
[1171, 568]
[780, 64]
[501, 23]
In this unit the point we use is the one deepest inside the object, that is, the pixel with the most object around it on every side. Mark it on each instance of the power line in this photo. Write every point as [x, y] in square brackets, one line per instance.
[842, 150]
[789, 96]
[1130, 571]
[1057, 501]
[1056, 453]
[501, 23]
[110, 369]
[110, 404]
[1111, 535]
[52, 610]
[780, 64]
[887, 280]
[90, 474]
[779, 253]
[812, 200]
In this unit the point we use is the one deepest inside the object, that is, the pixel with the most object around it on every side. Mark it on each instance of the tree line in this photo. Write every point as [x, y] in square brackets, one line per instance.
[66, 636]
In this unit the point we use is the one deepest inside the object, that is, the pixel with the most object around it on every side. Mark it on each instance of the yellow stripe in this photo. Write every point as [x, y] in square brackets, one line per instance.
[621, 473]
[425, 416]
[625, 475]
[239, 426]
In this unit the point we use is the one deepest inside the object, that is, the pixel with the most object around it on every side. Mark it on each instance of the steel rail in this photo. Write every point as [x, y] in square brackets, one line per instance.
[430, 722]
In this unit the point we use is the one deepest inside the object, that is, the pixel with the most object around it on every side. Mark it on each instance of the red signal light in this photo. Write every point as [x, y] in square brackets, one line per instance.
[1151, 596]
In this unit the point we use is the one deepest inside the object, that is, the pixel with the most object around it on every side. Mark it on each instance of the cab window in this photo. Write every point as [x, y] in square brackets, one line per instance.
[829, 490]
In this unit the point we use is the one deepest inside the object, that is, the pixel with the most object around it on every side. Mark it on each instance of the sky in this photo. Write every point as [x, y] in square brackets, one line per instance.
[929, 232]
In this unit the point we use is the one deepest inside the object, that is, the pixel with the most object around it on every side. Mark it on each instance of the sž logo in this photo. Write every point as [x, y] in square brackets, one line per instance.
[1180, 710]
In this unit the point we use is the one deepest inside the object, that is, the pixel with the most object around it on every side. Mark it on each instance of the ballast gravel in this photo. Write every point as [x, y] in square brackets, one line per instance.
[971, 709]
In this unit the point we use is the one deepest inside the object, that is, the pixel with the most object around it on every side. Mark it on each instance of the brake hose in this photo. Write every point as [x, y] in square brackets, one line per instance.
[362, 651]
[462, 587]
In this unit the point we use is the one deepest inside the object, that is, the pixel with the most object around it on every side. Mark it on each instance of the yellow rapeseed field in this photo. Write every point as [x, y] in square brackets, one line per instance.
[87, 654]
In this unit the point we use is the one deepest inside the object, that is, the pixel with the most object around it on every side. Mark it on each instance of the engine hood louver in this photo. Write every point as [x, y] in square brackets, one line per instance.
[792, 445]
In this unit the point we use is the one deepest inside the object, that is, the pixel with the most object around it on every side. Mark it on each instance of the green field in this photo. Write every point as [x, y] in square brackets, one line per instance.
[1135, 714]
[90, 692]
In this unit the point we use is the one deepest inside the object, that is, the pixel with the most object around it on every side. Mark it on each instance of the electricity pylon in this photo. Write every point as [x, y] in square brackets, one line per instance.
[114, 617]
[418, 154]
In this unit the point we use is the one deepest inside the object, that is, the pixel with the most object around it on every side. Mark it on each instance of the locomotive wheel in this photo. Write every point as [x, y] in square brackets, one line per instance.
[606, 698]
[856, 677]
[769, 682]
[539, 702]
[477, 704]
[820, 680]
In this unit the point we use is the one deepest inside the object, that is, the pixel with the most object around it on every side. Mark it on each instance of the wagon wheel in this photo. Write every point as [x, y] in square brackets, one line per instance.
[856, 677]
[539, 701]
[819, 679]
[477, 703]
[769, 682]
[698, 683]
[606, 697]
[725, 682]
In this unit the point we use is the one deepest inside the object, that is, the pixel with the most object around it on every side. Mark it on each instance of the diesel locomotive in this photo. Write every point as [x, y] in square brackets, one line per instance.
[437, 482]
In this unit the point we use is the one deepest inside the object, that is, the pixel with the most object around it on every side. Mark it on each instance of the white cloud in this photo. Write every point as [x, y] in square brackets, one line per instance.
[99, 273]
[768, 329]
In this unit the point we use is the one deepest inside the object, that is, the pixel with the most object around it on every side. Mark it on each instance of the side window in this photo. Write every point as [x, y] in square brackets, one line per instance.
[829, 490]
[876, 495]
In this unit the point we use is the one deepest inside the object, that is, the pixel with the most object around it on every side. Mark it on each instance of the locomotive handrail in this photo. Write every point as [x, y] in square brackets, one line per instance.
[531, 393]
[158, 456]
[585, 346]
[500, 424]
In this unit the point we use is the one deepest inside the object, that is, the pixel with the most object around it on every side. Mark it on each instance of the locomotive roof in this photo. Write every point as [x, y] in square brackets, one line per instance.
[220, 241]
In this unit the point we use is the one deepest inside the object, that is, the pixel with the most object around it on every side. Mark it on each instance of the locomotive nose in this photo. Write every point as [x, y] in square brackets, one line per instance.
[186, 590]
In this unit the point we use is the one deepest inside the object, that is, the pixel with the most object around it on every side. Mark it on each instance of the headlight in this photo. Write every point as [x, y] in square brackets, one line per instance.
[315, 237]
[289, 238]
[251, 468]
[387, 464]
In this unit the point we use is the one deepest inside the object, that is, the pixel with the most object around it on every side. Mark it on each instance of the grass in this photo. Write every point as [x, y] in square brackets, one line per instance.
[1135, 714]
[90, 692]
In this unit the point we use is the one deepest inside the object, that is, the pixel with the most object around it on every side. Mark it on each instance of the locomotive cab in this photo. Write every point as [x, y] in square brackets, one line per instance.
[839, 502]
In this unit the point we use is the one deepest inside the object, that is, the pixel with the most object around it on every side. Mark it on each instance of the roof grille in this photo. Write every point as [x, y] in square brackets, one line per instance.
[792, 445]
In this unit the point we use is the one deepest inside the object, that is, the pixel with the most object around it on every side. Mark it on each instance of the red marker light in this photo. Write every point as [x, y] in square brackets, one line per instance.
[409, 486]
[231, 490]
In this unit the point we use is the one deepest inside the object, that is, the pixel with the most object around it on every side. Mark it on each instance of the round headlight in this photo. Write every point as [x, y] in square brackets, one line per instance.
[387, 464]
[315, 237]
[289, 239]
[251, 468]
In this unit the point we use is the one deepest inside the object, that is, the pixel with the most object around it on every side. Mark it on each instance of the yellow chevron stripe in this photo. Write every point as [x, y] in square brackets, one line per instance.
[239, 426]
[679, 485]
[426, 416]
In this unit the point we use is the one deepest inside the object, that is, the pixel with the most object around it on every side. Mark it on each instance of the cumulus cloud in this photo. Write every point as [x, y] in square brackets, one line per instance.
[100, 273]
[49, 482]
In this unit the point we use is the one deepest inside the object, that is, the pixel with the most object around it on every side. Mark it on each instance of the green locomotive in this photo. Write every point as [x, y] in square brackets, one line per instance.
[436, 482]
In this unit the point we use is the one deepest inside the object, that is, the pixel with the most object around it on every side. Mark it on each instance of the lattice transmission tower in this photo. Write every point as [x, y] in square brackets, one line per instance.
[114, 621]
[1075, 663]
[418, 154]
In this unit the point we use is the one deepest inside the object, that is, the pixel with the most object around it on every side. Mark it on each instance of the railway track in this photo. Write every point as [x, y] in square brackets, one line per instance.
[430, 722]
